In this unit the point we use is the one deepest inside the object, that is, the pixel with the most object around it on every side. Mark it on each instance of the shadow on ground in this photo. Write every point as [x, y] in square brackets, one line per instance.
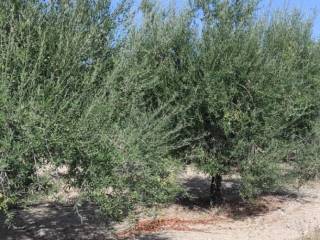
[60, 222]
[56, 222]
[152, 237]
[198, 198]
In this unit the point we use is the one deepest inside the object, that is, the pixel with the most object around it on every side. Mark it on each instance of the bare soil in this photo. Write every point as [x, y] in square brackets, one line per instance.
[284, 215]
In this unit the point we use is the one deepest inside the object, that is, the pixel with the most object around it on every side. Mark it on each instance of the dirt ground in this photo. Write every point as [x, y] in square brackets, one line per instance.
[285, 215]
[56, 222]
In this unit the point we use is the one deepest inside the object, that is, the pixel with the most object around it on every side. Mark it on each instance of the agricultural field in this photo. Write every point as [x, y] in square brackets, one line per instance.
[202, 123]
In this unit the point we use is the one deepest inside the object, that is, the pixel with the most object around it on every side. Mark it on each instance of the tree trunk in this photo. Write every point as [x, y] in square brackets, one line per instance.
[215, 140]
[215, 189]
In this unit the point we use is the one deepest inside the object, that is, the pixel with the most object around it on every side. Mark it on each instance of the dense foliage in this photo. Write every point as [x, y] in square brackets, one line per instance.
[125, 106]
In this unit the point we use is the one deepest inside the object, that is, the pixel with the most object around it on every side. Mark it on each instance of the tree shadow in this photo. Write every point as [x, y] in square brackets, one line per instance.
[152, 237]
[56, 222]
[233, 205]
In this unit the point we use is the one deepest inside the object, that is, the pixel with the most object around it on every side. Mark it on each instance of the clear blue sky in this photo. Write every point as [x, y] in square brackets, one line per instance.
[307, 6]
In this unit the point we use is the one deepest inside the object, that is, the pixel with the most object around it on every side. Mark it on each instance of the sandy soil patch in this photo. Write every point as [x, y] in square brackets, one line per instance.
[284, 215]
